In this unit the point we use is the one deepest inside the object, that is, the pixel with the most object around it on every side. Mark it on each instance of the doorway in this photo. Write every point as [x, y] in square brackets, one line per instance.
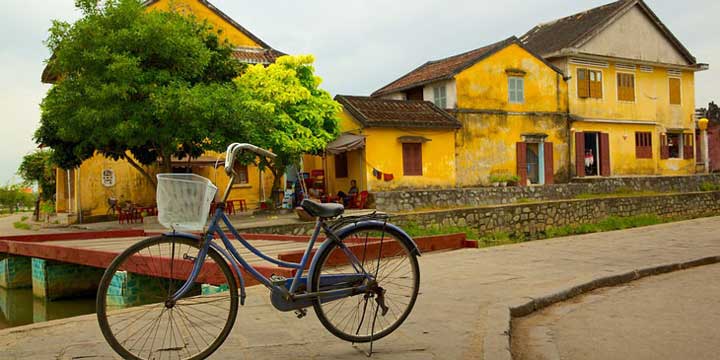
[533, 163]
[592, 154]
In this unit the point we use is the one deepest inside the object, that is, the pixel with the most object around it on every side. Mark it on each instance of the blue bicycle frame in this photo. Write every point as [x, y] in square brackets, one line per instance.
[288, 298]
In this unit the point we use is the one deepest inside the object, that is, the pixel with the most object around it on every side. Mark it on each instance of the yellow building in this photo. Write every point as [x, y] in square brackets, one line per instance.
[389, 145]
[98, 179]
[512, 105]
[631, 90]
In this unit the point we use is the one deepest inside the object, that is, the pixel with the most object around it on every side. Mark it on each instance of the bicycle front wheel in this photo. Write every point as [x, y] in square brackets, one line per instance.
[134, 307]
[390, 261]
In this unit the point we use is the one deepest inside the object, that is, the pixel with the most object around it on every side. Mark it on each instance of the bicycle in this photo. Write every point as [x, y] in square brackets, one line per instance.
[176, 295]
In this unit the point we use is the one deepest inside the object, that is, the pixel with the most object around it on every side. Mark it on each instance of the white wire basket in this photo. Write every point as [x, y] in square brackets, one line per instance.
[184, 200]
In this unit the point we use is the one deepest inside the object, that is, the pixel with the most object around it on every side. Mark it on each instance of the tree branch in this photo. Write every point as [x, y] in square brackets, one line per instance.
[139, 168]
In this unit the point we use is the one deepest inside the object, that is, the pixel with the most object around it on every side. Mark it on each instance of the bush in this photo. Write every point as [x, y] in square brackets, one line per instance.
[708, 186]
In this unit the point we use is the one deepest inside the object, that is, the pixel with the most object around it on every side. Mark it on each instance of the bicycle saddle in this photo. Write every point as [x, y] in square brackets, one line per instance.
[326, 211]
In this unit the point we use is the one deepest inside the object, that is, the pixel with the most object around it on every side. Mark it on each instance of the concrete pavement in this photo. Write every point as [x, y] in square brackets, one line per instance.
[672, 316]
[459, 314]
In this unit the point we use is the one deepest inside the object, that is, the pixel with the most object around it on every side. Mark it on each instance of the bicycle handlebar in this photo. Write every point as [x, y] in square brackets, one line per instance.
[233, 150]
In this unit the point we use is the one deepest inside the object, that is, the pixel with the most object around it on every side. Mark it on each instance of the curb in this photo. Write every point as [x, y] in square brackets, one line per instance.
[498, 328]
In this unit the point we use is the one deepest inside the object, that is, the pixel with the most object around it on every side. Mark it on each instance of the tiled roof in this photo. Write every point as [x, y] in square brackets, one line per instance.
[373, 112]
[442, 69]
[572, 30]
[256, 55]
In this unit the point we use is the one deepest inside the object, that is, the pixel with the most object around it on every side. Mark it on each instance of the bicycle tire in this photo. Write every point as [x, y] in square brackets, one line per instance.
[406, 249]
[185, 338]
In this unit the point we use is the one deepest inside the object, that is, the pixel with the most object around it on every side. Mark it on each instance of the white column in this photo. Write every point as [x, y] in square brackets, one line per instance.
[705, 151]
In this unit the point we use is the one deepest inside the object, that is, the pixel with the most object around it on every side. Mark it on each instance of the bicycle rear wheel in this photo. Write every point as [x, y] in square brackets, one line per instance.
[136, 315]
[389, 259]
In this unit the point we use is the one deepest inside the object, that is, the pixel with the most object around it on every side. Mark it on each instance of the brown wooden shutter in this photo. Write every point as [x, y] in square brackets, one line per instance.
[580, 154]
[675, 94]
[664, 148]
[626, 87]
[549, 167]
[596, 90]
[522, 163]
[688, 149]
[412, 159]
[604, 154]
[583, 83]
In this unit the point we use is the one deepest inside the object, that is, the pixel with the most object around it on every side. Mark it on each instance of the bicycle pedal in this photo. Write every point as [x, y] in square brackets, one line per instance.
[301, 313]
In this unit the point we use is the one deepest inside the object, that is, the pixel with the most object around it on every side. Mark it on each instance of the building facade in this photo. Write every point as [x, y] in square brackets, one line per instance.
[631, 90]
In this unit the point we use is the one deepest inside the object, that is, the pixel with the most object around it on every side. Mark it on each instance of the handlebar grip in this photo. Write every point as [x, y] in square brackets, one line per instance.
[234, 148]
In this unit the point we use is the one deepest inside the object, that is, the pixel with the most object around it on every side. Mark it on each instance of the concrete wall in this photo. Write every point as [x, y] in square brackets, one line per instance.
[455, 198]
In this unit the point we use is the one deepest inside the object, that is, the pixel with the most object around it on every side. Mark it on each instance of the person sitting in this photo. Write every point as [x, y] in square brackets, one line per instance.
[351, 194]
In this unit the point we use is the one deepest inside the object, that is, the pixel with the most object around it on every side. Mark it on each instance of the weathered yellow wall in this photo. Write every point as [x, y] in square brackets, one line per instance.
[485, 84]
[652, 105]
[250, 192]
[229, 32]
[130, 185]
[652, 98]
[486, 145]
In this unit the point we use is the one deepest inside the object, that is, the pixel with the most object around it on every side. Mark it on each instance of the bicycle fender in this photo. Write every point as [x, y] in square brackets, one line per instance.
[402, 236]
[222, 253]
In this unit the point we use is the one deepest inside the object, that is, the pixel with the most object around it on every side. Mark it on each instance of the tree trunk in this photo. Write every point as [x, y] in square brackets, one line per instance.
[142, 170]
[37, 209]
[275, 195]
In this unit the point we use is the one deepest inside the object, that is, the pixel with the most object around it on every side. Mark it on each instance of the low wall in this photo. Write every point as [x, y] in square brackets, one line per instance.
[533, 218]
[414, 200]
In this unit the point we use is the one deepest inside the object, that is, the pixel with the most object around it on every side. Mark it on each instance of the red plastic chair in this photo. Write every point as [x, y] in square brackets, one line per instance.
[359, 201]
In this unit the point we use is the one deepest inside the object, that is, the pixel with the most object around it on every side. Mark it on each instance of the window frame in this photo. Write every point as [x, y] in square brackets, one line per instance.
[679, 145]
[519, 92]
[679, 91]
[588, 79]
[634, 86]
[643, 144]
[407, 158]
[243, 172]
[345, 173]
[440, 100]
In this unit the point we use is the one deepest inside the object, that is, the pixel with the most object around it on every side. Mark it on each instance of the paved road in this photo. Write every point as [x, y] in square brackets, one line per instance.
[458, 289]
[672, 316]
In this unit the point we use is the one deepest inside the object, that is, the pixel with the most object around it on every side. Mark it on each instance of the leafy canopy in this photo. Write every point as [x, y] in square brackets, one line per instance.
[154, 84]
[161, 84]
[38, 168]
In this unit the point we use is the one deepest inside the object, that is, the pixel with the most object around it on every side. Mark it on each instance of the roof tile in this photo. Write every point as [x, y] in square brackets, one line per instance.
[373, 112]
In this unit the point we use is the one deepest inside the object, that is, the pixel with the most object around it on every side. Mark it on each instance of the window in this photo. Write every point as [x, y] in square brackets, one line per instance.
[412, 159]
[675, 95]
[589, 84]
[516, 89]
[674, 144]
[341, 166]
[626, 87]
[643, 145]
[242, 171]
[440, 97]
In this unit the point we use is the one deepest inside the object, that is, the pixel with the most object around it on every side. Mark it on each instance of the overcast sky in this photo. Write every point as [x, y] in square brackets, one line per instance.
[360, 45]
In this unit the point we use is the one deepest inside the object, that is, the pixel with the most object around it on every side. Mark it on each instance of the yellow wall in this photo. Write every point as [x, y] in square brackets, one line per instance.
[651, 105]
[250, 192]
[130, 185]
[229, 32]
[485, 84]
[486, 145]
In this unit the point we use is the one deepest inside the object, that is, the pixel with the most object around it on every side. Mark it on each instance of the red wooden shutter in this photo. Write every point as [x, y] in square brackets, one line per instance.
[549, 168]
[580, 154]
[688, 149]
[664, 148]
[522, 162]
[604, 154]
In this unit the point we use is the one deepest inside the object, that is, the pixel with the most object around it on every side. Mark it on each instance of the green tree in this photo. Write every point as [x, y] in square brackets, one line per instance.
[293, 115]
[13, 195]
[37, 168]
[139, 86]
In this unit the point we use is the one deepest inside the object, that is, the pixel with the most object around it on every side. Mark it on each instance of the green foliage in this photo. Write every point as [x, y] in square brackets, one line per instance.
[293, 115]
[152, 84]
[415, 230]
[12, 195]
[22, 226]
[47, 207]
[23, 218]
[611, 223]
[708, 186]
[504, 178]
[38, 168]
[620, 192]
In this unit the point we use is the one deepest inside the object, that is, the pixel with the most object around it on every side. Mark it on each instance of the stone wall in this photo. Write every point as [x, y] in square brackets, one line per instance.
[414, 200]
[533, 218]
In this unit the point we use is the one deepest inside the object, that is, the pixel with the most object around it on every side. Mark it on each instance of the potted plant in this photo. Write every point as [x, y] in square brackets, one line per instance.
[514, 180]
[495, 180]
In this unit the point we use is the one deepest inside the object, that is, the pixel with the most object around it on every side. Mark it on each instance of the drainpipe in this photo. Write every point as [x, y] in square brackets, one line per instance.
[68, 202]
[77, 196]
